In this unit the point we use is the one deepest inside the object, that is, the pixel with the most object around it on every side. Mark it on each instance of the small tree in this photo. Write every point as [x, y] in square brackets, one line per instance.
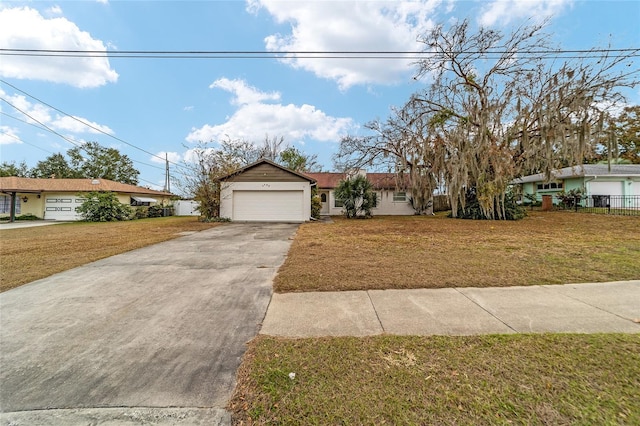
[91, 160]
[55, 165]
[316, 203]
[357, 196]
[103, 207]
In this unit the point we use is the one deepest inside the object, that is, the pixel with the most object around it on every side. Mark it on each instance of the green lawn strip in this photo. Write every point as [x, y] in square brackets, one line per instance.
[499, 379]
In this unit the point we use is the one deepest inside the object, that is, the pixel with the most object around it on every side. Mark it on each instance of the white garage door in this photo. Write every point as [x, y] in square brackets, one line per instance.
[605, 188]
[62, 207]
[268, 206]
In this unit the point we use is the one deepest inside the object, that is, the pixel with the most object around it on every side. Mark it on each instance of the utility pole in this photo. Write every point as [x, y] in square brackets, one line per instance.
[167, 180]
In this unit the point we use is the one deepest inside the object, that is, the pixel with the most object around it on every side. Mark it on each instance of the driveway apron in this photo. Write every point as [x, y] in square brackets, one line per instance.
[163, 326]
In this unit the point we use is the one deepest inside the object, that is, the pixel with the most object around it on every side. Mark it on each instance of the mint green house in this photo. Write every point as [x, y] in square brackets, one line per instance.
[595, 181]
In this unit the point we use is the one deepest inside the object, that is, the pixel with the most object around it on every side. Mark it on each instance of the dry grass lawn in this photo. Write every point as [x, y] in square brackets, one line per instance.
[434, 252]
[28, 254]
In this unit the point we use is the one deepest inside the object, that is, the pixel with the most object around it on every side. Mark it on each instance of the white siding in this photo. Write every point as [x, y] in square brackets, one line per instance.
[62, 207]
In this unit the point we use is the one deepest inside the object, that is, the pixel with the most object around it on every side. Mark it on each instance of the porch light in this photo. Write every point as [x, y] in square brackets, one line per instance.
[25, 199]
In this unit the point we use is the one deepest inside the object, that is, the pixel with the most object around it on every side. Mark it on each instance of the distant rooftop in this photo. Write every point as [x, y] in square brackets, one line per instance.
[585, 170]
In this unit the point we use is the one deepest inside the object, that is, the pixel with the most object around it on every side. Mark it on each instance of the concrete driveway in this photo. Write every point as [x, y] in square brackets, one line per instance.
[153, 336]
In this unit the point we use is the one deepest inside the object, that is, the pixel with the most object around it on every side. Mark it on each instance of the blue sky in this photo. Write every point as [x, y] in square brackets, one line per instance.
[167, 105]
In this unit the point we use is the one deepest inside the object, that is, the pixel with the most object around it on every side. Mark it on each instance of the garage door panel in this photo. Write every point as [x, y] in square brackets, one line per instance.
[605, 188]
[62, 208]
[274, 206]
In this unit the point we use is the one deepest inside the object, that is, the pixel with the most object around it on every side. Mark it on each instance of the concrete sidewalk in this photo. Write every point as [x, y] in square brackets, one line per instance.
[572, 308]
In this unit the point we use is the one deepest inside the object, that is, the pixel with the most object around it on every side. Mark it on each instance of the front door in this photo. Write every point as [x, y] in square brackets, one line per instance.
[324, 198]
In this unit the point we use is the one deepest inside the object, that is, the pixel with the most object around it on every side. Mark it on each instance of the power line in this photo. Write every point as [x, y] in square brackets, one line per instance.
[196, 53]
[82, 122]
[71, 141]
[75, 143]
[25, 142]
[48, 130]
[320, 54]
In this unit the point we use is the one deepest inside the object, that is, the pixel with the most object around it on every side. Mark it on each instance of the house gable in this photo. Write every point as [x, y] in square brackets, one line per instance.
[266, 171]
[265, 191]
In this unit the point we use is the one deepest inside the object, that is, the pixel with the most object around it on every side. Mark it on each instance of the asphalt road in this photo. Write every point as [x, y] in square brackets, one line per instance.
[152, 336]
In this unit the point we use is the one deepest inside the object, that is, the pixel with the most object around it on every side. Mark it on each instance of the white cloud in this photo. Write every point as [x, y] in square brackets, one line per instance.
[350, 26]
[54, 10]
[244, 94]
[173, 157]
[75, 125]
[502, 12]
[9, 135]
[39, 114]
[25, 28]
[188, 108]
[254, 119]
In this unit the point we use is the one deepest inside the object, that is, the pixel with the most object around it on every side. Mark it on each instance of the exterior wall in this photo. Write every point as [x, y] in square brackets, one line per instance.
[620, 185]
[227, 188]
[574, 183]
[386, 206]
[567, 185]
[633, 187]
[33, 206]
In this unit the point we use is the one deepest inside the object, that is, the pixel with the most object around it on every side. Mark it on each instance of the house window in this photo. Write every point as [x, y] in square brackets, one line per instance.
[549, 186]
[5, 204]
[375, 199]
[400, 196]
[338, 203]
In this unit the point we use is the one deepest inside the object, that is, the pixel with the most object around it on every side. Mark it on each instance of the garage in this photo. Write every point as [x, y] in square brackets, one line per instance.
[266, 192]
[605, 188]
[62, 207]
[268, 206]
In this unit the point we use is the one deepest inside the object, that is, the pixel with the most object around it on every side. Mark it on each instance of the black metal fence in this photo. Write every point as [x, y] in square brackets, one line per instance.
[621, 205]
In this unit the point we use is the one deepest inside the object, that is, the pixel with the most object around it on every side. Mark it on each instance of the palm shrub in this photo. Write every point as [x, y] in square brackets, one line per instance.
[357, 196]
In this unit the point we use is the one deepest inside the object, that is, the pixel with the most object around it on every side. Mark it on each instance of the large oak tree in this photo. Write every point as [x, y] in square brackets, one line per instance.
[497, 106]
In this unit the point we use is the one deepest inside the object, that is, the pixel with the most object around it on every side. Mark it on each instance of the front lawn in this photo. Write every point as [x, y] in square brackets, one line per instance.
[436, 252]
[28, 254]
[514, 379]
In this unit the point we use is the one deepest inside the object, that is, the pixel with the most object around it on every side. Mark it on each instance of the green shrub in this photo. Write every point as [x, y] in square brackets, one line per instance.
[103, 207]
[567, 200]
[27, 216]
[316, 203]
[155, 211]
[214, 219]
[141, 212]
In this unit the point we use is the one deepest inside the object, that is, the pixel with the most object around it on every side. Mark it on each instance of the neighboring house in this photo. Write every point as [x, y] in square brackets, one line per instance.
[595, 181]
[57, 199]
[266, 192]
[389, 199]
